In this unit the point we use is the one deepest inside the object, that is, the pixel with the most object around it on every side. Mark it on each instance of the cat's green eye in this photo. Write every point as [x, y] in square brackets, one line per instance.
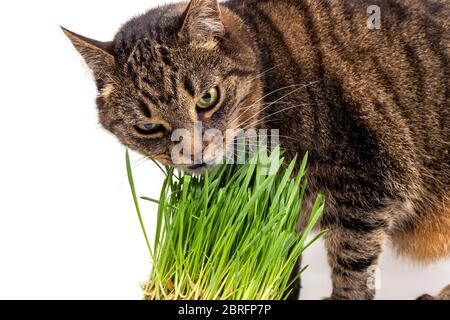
[149, 128]
[209, 100]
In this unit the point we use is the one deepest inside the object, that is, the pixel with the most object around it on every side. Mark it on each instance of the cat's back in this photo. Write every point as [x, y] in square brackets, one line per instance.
[376, 100]
[392, 44]
[387, 60]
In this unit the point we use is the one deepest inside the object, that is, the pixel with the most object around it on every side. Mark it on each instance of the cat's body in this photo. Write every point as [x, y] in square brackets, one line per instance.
[370, 106]
[377, 129]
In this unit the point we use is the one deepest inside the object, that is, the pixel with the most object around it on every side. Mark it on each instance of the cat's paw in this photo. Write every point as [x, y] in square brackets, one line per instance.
[352, 295]
[444, 295]
[334, 297]
[425, 297]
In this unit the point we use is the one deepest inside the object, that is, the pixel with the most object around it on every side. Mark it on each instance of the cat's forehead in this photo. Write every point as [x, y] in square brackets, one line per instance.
[158, 26]
[156, 53]
[152, 61]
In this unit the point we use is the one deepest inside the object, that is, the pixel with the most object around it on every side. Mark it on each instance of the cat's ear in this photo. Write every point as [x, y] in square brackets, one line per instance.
[202, 22]
[98, 55]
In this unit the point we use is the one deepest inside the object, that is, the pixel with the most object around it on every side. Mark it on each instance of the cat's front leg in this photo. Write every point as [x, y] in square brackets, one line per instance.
[354, 243]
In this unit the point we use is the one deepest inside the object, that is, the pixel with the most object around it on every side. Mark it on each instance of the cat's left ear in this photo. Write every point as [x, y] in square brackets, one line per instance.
[98, 55]
[202, 22]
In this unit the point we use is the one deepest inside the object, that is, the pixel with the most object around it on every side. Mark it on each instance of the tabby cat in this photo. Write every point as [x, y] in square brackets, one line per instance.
[371, 105]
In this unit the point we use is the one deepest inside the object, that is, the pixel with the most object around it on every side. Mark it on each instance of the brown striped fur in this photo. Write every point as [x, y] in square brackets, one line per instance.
[426, 240]
[371, 106]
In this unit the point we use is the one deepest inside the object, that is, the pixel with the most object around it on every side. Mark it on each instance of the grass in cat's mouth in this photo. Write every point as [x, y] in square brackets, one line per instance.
[228, 234]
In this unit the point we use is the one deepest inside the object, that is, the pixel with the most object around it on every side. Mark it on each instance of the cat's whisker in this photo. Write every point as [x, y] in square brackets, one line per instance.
[280, 136]
[255, 137]
[247, 142]
[266, 107]
[279, 99]
[259, 121]
[264, 72]
[272, 92]
[234, 152]
[286, 95]
[258, 105]
[288, 87]
[139, 162]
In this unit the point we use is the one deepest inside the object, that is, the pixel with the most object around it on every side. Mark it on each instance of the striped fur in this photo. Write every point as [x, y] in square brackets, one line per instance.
[371, 107]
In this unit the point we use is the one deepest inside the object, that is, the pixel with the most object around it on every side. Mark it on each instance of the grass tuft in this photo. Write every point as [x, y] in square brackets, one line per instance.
[230, 233]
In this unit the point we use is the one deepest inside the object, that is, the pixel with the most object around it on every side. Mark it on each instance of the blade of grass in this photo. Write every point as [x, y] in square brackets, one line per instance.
[136, 203]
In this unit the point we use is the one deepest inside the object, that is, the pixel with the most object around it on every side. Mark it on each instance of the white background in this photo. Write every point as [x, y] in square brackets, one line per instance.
[68, 229]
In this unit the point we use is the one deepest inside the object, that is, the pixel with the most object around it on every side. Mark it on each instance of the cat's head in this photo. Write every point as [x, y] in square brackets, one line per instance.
[169, 69]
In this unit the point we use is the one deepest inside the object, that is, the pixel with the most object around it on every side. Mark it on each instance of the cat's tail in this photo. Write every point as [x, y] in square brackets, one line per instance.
[444, 295]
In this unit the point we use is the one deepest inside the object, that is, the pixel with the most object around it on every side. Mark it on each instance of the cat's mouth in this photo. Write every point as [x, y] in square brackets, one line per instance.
[209, 163]
[198, 166]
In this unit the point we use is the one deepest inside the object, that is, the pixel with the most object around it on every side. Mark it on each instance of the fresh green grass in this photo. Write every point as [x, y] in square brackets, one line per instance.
[228, 234]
